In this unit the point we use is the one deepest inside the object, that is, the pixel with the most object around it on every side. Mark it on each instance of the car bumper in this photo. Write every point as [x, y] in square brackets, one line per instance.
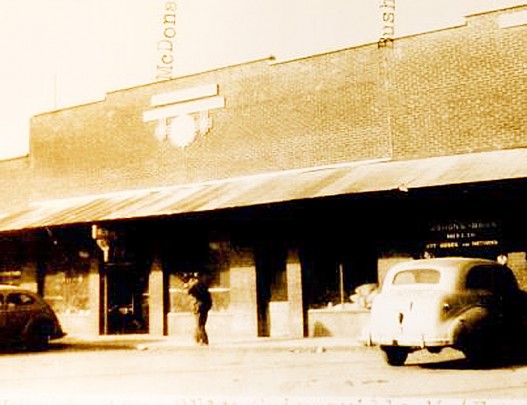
[57, 334]
[415, 342]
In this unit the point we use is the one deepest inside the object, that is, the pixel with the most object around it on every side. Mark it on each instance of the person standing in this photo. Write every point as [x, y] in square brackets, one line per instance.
[202, 303]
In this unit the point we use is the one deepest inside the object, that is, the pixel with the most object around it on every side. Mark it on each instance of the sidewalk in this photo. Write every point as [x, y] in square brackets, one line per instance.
[147, 342]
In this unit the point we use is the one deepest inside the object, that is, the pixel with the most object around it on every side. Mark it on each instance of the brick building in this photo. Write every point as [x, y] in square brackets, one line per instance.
[290, 182]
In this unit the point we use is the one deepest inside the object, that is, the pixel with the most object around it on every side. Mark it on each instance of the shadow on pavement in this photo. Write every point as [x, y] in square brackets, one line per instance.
[80, 346]
[75, 346]
[508, 359]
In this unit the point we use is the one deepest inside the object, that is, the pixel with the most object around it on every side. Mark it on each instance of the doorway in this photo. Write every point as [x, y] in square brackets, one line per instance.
[125, 299]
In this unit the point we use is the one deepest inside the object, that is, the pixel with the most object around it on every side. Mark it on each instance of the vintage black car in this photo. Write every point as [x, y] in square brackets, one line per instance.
[25, 318]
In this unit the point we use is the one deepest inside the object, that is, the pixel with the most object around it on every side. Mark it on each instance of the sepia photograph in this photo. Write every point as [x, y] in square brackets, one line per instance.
[229, 202]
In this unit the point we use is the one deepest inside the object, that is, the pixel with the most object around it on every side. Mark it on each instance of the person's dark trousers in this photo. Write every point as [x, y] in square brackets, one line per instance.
[200, 334]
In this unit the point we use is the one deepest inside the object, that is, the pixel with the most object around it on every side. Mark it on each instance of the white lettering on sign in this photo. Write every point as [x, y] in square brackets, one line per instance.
[188, 107]
[184, 113]
[165, 46]
[464, 234]
[387, 22]
[192, 93]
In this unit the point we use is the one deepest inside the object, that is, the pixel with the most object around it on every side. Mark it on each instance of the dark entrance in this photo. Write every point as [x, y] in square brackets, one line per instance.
[126, 299]
[271, 284]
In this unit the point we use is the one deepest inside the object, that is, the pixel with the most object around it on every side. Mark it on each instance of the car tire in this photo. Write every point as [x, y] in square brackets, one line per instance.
[482, 354]
[395, 356]
[479, 348]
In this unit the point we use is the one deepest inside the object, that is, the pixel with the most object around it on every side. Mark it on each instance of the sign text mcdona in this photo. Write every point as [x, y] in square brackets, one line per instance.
[165, 46]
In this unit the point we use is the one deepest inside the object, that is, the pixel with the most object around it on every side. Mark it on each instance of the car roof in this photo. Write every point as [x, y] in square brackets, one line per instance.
[451, 267]
[441, 262]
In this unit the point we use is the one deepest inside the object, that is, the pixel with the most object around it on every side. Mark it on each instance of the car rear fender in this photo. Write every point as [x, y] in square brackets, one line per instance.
[469, 322]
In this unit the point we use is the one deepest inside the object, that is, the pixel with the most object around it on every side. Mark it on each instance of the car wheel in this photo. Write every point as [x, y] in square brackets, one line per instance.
[482, 355]
[480, 350]
[395, 356]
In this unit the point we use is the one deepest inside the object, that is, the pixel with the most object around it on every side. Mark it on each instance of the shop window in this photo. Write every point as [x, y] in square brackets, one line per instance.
[22, 273]
[67, 289]
[10, 277]
[218, 287]
[15, 261]
[216, 267]
[179, 301]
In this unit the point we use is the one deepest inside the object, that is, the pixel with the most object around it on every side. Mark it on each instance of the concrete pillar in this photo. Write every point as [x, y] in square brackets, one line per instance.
[156, 299]
[243, 305]
[517, 262]
[294, 295]
[94, 298]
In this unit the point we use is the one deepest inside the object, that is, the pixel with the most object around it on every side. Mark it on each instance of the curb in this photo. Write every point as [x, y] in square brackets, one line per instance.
[143, 343]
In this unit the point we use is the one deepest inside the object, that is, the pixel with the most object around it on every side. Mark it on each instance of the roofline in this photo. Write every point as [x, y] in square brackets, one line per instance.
[273, 60]
[71, 107]
[364, 45]
[495, 10]
[401, 37]
[269, 58]
[13, 158]
[152, 83]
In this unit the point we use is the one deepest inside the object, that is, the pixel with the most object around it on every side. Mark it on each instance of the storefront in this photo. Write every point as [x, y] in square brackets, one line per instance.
[290, 183]
[285, 269]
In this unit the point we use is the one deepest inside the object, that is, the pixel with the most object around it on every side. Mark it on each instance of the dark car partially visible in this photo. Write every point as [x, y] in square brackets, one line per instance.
[26, 319]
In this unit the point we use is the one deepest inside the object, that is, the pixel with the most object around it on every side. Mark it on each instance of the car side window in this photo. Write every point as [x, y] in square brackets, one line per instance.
[495, 279]
[19, 299]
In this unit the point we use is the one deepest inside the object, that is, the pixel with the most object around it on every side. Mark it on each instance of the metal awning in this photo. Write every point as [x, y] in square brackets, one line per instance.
[352, 178]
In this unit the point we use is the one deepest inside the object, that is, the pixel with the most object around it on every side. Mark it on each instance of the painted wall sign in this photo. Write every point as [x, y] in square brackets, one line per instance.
[464, 234]
[183, 114]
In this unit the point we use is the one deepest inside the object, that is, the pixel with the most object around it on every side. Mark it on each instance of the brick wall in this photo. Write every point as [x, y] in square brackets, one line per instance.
[518, 263]
[460, 90]
[450, 91]
[277, 116]
[15, 183]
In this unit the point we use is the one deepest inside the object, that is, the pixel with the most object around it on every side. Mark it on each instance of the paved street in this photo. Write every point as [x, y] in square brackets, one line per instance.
[158, 372]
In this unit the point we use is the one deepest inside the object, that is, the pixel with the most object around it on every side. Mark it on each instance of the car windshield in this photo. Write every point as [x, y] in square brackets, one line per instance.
[417, 276]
